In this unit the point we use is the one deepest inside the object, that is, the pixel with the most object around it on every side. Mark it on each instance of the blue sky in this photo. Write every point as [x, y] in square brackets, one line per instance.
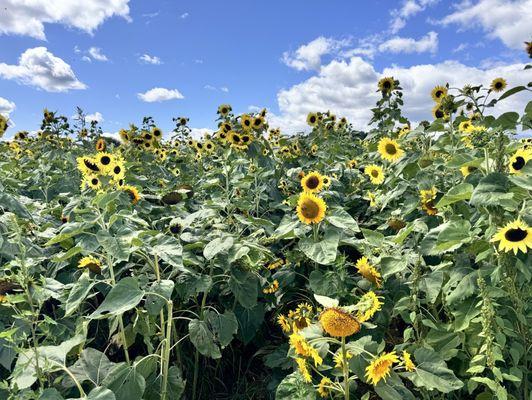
[289, 56]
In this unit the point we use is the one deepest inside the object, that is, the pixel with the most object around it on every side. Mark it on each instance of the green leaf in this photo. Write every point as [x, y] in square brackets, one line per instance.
[508, 120]
[512, 91]
[249, 321]
[225, 326]
[293, 387]
[114, 245]
[393, 389]
[216, 246]
[154, 302]
[168, 249]
[374, 238]
[50, 394]
[462, 191]
[124, 296]
[127, 383]
[101, 393]
[432, 372]
[324, 251]
[93, 366]
[244, 285]
[78, 293]
[491, 190]
[392, 265]
[342, 219]
[203, 339]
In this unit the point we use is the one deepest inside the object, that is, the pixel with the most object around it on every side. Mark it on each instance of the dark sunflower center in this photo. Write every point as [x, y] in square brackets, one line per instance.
[183, 121]
[147, 137]
[312, 119]
[117, 170]
[94, 181]
[175, 229]
[374, 173]
[209, 146]
[391, 149]
[471, 169]
[310, 209]
[157, 133]
[439, 93]
[257, 122]
[105, 160]
[498, 85]
[387, 85]
[247, 122]
[439, 113]
[224, 110]
[515, 235]
[90, 165]
[519, 163]
[312, 182]
[245, 139]
[236, 138]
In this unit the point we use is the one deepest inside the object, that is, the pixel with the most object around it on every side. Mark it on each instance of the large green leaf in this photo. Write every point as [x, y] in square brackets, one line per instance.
[203, 339]
[491, 190]
[462, 191]
[162, 292]
[432, 372]
[126, 382]
[293, 387]
[323, 251]
[216, 246]
[225, 326]
[244, 285]
[124, 296]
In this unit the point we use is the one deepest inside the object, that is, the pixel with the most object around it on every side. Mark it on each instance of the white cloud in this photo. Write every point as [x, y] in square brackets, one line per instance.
[199, 133]
[96, 53]
[224, 89]
[146, 58]
[308, 56]
[428, 43]
[159, 94]
[508, 20]
[347, 88]
[40, 68]
[184, 15]
[97, 116]
[214, 88]
[198, 61]
[6, 106]
[209, 87]
[86, 58]
[408, 10]
[28, 17]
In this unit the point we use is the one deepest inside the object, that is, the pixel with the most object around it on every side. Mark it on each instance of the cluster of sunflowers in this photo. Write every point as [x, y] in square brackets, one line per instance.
[105, 171]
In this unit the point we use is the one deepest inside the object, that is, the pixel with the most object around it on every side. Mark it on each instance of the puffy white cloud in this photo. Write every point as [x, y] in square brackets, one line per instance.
[159, 94]
[146, 58]
[428, 43]
[97, 116]
[28, 17]
[508, 20]
[348, 88]
[408, 10]
[199, 133]
[6, 106]
[40, 68]
[96, 53]
[309, 55]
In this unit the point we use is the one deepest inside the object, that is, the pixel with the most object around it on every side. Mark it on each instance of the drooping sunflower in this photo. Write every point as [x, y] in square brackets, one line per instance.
[282, 321]
[438, 112]
[310, 208]
[515, 236]
[438, 93]
[246, 121]
[372, 198]
[91, 263]
[368, 271]
[369, 305]
[312, 182]
[272, 288]
[338, 322]
[380, 367]
[124, 135]
[312, 119]
[303, 369]
[467, 169]
[100, 144]
[324, 387]
[465, 126]
[386, 85]
[498, 85]
[133, 193]
[518, 161]
[389, 149]
[375, 173]
[427, 197]
[407, 361]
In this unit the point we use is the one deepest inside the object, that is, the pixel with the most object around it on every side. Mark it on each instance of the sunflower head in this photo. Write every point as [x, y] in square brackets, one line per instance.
[375, 174]
[312, 119]
[258, 122]
[104, 161]
[368, 271]
[518, 161]
[339, 323]
[515, 236]
[380, 367]
[389, 149]
[498, 84]
[312, 182]
[224, 109]
[467, 169]
[246, 121]
[310, 208]
[157, 133]
[386, 85]
[91, 263]
[324, 387]
[427, 198]
[438, 112]
[368, 306]
[438, 93]
[133, 193]
[407, 361]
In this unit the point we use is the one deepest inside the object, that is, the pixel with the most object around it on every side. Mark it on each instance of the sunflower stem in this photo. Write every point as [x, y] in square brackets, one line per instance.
[345, 366]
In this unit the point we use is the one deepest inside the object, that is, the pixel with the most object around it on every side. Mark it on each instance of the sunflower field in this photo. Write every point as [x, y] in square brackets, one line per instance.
[391, 263]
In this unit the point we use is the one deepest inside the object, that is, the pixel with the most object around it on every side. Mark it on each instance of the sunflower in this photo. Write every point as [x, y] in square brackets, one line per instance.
[375, 174]
[368, 271]
[528, 48]
[465, 126]
[93, 264]
[104, 161]
[326, 181]
[303, 348]
[515, 236]
[339, 359]
[352, 164]
[272, 288]
[407, 360]
[386, 85]
[438, 112]
[438, 93]
[258, 123]
[370, 304]
[427, 197]
[498, 85]
[467, 169]
[93, 182]
[124, 135]
[405, 130]
[303, 369]
[87, 165]
[117, 170]
[209, 146]
[3, 124]
[310, 208]
[338, 322]
[183, 120]
[389, 149]
[312, 119]
[246, 121]
[312, 182]
[324, 388]
[157, 133]
[283, 323]
[380, 367]
[372, 198]
[224, 109]
[100, 145]
[519, 160]
[133, 193]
